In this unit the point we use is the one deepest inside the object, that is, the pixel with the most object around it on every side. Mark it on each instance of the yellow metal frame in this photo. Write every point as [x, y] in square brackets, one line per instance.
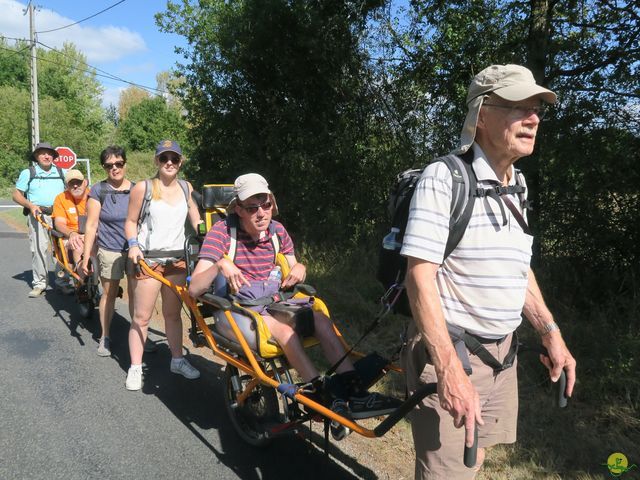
[59, 251]
[253, 367]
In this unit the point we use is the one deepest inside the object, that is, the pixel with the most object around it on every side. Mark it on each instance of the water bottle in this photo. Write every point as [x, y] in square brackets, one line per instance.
[275, 275]
[390, 241]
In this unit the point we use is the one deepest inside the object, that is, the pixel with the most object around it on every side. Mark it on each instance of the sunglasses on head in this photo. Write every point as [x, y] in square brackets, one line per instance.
[75, 183]
[109, 166]
[266, 206]
[169, 158]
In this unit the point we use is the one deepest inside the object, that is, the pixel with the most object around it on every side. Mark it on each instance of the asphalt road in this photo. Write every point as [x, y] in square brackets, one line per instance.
[65, 414]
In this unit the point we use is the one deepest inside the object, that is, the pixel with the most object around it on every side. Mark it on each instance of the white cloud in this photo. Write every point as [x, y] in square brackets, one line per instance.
[101, 44]
[111, 96]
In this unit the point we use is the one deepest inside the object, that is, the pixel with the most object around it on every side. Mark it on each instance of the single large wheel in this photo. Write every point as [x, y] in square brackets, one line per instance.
[90, 296]
[86, 308]
[259, 409]
[93, 282]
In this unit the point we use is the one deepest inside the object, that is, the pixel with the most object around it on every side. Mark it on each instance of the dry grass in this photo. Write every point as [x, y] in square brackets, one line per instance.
[572, 443]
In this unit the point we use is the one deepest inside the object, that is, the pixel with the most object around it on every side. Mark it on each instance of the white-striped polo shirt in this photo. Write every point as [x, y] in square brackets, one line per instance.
[482, 284]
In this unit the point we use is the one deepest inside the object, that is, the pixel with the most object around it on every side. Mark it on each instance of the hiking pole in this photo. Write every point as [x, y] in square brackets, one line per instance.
[470, 453]
[561, 395]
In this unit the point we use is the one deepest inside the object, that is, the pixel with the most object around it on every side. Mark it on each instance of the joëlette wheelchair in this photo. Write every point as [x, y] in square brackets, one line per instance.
[87, 291]
[261, 397]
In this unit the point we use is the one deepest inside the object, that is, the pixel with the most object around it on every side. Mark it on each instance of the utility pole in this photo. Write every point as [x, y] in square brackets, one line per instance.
[35, 120]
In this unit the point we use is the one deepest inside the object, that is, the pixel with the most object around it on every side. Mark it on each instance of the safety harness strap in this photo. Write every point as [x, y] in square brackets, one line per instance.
[461, 339]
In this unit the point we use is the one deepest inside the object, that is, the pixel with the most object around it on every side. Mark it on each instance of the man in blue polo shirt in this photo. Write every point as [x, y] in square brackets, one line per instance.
[36, 194]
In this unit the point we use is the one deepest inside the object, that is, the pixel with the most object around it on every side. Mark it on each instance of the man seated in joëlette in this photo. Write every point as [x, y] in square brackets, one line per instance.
[68, 207]
[248, 275]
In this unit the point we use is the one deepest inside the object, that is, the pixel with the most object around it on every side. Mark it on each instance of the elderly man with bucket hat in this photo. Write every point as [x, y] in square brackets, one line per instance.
[36, 188]
[481, 289]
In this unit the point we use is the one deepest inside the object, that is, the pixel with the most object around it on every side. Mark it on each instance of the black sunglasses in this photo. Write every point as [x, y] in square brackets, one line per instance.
[169, 158]
[254, 208]
[109, 166]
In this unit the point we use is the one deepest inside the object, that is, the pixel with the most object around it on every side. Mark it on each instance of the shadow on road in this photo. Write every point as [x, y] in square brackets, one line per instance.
[199, 405]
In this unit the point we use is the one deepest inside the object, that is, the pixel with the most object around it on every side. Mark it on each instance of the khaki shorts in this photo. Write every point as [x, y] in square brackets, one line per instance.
[112, 264]
[170, 268]
[439, 445]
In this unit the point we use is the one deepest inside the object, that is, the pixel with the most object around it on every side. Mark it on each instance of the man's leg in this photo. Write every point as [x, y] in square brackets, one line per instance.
[439, 445]
[292, 347]
[330, 343]
[38, 244]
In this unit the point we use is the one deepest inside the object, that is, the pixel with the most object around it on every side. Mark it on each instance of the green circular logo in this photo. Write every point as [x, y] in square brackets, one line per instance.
[617, 464]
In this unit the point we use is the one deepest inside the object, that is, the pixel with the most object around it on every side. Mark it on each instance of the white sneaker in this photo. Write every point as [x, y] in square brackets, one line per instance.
[104, 347]
[184, 368]
[36, 292]
[134, 378]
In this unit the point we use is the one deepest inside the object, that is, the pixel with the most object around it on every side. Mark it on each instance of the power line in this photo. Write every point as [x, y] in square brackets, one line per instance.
[16, 39]
[91, 68]
[104, 72]
[79, 21]
[15, 52]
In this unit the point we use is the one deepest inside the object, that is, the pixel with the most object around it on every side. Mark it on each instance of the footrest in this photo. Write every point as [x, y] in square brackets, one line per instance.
[371, 368]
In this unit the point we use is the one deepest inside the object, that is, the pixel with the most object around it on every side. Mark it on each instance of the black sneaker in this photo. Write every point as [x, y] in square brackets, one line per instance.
[372, 405]
[339, 431]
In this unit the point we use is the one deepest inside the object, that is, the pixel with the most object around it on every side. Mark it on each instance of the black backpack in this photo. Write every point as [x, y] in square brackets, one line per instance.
[103, 191]
[392, 266]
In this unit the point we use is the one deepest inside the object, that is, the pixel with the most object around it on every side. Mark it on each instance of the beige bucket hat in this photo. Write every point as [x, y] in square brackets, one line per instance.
[511, 82]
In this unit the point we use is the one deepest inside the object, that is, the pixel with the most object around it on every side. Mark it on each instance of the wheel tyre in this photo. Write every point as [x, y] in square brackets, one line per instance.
[95, 271]
[260, 407]
[86, 308]
[94, 282]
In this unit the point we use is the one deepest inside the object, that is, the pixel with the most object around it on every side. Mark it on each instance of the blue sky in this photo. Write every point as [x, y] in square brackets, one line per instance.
[123, 41]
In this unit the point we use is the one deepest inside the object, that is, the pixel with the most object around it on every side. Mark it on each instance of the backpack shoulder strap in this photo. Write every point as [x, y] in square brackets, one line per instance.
[275, 241]
[146, 201]
[102, 191]
[520, 181]
[185, 189]
[464, 185]
[61, 175]
[232, 229]
[32, 175]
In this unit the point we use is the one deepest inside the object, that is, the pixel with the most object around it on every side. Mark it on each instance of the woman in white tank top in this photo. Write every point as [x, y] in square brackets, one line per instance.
[160, 236]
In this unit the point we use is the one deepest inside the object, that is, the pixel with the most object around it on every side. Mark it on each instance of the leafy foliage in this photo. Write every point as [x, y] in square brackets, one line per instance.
[70, 110]
[128, 98]
[149, 121]
[282, 88]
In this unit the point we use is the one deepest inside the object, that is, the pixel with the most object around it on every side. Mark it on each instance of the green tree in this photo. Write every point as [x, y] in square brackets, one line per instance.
[69, 98]
[13, 67]
[148, 122]
[281, 87]
[588, 52]
[128, 98]
[64, 75]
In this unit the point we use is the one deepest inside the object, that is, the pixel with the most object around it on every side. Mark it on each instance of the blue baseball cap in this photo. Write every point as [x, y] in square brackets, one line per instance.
[168, 146]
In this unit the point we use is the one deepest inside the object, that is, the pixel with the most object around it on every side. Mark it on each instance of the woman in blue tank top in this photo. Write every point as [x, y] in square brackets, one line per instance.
[106, 212]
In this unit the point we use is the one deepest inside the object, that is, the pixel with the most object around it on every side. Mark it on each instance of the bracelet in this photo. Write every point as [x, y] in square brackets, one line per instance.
[548, 328]
[132, 242]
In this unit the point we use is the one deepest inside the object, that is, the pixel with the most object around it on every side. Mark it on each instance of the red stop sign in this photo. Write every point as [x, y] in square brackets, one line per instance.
[66, 157]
